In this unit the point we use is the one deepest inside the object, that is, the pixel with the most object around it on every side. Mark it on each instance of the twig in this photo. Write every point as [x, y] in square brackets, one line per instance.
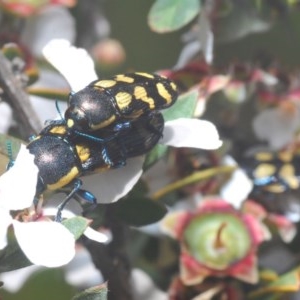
[112, 259]
[18, 99]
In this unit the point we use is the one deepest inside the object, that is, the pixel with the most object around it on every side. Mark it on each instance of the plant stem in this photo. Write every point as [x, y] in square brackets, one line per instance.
[112, 259]
[29, 124]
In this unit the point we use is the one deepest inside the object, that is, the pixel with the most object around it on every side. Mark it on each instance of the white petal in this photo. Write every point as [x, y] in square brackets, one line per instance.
[73, 63]
[206, 37]
[100, 237]
[144, 288]
[158, 176]
[53, 22]
[6, 117]
[46, 108]
[276, 126]
[237, 189]
[189, 50]
[81, 271]
[52, 212]
[5, 221]
[97, 236]
[111, 185]
[191, 133]
[48, 244]
[14, 280]
[18, 184]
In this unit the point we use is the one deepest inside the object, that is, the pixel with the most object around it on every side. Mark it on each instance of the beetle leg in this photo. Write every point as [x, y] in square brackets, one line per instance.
[77, 185]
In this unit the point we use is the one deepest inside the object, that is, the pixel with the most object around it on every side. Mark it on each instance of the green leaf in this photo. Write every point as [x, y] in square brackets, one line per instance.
[184, 107]
[54, 94]
[76, 225]
[170, 15]
[12, 257]
[12, 51]
[140, 211]
[46, 284]
[95, 293]
[286, 283]
[241, 19]
[154, 155]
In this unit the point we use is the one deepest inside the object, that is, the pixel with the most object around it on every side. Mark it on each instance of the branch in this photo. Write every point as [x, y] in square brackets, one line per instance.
[29, 124]
[112, 259]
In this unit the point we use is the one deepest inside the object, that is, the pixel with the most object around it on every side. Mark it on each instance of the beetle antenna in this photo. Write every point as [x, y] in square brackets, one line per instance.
[58, 110]
[10, 155]
[95, 138]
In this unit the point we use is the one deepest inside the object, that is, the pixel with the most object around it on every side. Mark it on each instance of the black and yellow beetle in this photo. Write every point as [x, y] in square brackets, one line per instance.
[63, 157]
[274, 172]
[118, 100]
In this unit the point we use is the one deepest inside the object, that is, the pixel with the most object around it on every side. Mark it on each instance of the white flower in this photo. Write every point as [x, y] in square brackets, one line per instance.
[81, 272]
[44, 243]
[6, 117]
[48, 244]
[14, 280]
[73, 63]
[52, 22]
[144, 288]
[5, 221]
[276, 126]
[90, 233]
[191, 133]
[111, 185]
[237, 189]
[23, 175]
[44, 108]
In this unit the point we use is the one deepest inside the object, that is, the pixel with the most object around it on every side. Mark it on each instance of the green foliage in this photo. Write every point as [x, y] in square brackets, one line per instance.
[53, 94]
[286, 283]
[94, 293]
[170, 15]
[46, 284]
[140, 211]
[12, 257]
[76, 225]
[241, 19]
[183, 108]
[136, 209]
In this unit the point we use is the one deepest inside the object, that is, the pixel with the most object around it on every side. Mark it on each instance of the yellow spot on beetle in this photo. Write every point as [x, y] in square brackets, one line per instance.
[135, 114]
[70, 123]
[173, 86]
[264, 170]
[123, 78]
[285, 156]
[58, 130]
[105, 83]
[73, 173]
[140, 93]
[164, 93]
[123, 99]
[264, 156]
[83, 153]
[147, 75]
[287, 172]
[103, 123]
[275, 188]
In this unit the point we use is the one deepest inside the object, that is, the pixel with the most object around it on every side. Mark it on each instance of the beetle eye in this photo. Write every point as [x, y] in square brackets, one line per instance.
[76, 119]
